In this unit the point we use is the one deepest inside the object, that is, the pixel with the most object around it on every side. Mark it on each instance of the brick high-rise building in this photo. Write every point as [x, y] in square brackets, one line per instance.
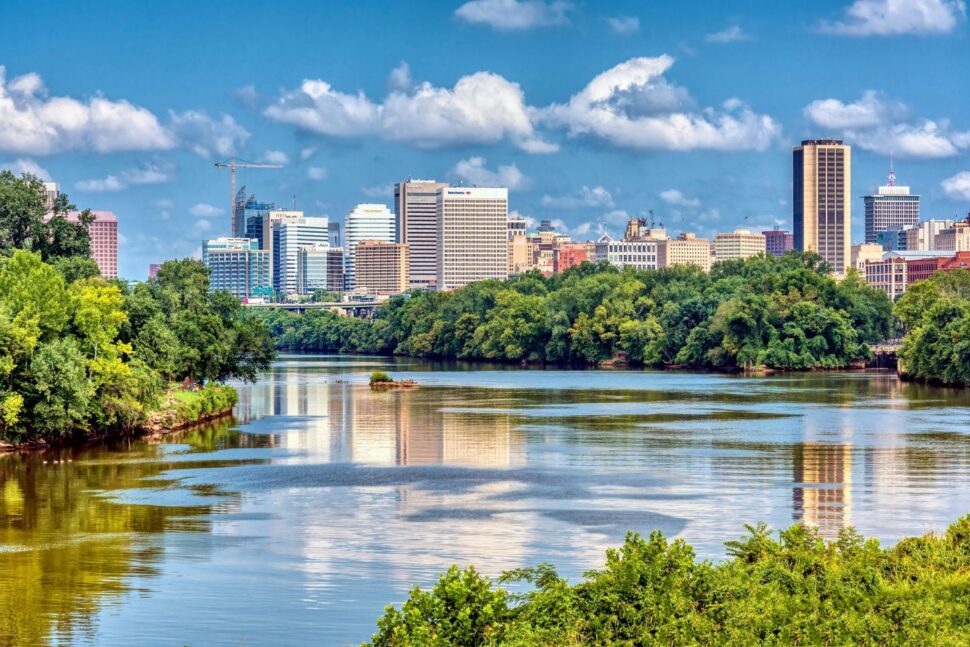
[103, 232]
[778, 242]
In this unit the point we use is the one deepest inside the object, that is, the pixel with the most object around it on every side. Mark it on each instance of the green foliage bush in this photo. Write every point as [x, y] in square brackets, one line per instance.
[936, 317]
[795, 589]
[379, 377]
[82, 355]
[775, 312]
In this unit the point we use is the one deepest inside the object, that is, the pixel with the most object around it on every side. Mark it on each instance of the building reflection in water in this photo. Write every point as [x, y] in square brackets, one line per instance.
[822, 495]
[337, 421]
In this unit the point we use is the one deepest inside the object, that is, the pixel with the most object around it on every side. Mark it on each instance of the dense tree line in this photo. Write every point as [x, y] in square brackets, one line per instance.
[80, 354]
[793, 590]
[936, 316]
[763, 312]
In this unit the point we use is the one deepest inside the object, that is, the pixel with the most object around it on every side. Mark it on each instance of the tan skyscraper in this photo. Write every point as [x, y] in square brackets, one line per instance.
[381, 267]
[822, 200]
[473, 231]
[415, 202]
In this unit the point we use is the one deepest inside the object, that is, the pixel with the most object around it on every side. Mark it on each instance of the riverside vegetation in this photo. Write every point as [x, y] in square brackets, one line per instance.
[81, 355]
[795, 589]
[784, 313]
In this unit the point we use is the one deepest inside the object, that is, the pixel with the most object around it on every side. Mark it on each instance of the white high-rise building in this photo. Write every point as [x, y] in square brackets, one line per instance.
[890, 207]
[365, 222]
[473, 235]
[290, 235]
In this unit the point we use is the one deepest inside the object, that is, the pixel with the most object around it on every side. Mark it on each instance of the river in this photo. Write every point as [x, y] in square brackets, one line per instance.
[323, 501]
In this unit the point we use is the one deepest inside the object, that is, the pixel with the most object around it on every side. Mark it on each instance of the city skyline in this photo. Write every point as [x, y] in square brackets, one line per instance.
[676, 110]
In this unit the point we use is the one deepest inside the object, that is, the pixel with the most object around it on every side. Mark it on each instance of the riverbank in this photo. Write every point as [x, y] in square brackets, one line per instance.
[179, 410]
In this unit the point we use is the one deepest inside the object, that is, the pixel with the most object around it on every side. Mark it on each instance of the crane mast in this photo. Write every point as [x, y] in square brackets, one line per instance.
[232, 164]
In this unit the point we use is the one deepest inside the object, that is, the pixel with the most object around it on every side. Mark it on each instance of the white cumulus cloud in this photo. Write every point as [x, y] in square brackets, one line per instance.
[207, 136]
[26, 165]
[512, 15]
[677, 198]
[144, 174]
[883, 126]
[317, 173]
[482, 108]
[895, 17]
[732, 34]
[275, 157]
[205, 210]
[586, 197]
[623, 25]
[632, 105]
[474, 171]
[400, 78]
[958, 186]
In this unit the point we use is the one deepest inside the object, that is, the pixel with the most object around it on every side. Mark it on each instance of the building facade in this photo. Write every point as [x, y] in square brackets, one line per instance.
[335, 269]
[738, 245]
[473, 230]
[311, 268]
[365, 222]
[248, 216]
[686, 249]
[289, 236]
[890, 207]
[238, 266]
[381, 267]
[638, 254]
[955, 238]
[568, 255]
[416, 203]
[862, 254]
[822, 200]
[103, 234]
[778, 242]
[922, 236]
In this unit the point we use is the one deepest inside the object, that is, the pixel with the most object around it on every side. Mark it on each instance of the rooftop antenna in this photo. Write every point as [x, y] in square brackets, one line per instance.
[892, 173]
[294, 202]
[650, 211]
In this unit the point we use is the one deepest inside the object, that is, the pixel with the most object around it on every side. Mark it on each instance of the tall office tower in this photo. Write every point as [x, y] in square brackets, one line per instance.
[335, 234]
[288, 237]
[381, 267]
[312, 263]
[365, 222]
[335, 269]
[473, 235]
[890, 207]
[153, 270]
[822, 200]
[738, 245]
[103, 232]
[51, 192]
[266, 238]
[238, 266]
[249, 216]
[778, 242]
[417, 225]
[516, 226]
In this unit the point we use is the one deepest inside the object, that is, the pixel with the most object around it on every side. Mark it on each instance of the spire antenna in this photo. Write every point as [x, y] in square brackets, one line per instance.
[892, 173]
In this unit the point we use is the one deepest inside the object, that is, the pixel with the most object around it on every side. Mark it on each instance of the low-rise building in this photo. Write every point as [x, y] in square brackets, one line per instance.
[566, 255]
[311, 268]
[862, 253]
[238, 266]
[738, 245]
[955, 238]
[381, 267]
[778, 242]
[686, 249]
[638, 254]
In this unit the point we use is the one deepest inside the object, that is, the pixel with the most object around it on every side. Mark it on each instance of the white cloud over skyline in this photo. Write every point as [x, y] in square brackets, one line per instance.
[731, 34]
[898, 17]
[514, 15]
[883, 126]
[474, 171]
[958, 186]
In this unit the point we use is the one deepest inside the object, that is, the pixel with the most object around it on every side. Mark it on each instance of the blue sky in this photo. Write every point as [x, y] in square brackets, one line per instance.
[590, 111]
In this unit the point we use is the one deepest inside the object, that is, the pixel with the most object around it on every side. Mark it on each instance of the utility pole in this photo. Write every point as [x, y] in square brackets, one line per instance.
[232, 165]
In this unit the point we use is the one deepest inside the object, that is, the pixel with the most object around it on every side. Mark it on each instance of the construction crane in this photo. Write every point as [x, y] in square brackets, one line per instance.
[232, 164]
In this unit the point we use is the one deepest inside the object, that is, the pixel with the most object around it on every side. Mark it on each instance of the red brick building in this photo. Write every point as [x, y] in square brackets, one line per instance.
[567, 255]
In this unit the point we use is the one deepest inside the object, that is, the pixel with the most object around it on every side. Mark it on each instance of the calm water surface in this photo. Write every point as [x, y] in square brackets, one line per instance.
[325, 501]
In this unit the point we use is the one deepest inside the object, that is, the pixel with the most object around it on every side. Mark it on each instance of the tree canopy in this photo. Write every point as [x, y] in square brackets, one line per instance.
[763, 312]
